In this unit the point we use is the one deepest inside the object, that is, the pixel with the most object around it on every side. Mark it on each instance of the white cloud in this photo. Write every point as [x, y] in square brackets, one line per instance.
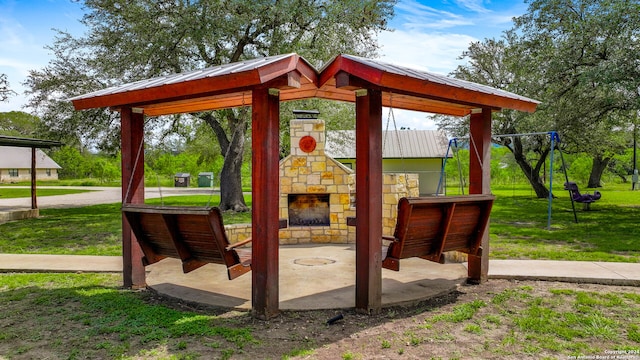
[473, 5]
[418, 16]
[435, 52]
[414, 120]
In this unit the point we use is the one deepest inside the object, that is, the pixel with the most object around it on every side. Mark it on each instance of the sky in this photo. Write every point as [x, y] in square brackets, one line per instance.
[428, 35]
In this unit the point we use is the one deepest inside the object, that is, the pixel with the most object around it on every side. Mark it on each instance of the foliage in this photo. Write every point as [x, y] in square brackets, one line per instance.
[78, 165]
[5, 90]
[582, 51]
[158, 38]
[20, 124]
[575, 57]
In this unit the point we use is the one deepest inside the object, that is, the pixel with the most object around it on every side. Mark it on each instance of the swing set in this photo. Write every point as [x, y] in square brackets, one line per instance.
[554, 139]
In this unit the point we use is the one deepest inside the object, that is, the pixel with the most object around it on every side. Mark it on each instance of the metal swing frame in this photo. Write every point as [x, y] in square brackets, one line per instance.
[554, 139]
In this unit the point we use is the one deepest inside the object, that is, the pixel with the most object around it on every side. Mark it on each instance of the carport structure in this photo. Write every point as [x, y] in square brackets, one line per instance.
[263, 83]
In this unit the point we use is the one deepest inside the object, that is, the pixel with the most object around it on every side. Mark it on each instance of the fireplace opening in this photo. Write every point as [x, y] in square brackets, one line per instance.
[309, 210]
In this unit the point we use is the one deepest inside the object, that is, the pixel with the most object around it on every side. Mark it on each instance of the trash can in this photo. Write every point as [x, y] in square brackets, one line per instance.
[205, 179]
[182, 180]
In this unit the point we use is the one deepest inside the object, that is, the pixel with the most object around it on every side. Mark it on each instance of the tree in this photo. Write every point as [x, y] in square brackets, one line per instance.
[18, 123]
[5, 91]
[580, 59]
[587, 53]
[128, 41]
[496, 63]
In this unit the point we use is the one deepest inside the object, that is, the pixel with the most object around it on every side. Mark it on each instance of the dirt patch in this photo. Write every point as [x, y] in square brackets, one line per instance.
[496, 320]
[411, 332]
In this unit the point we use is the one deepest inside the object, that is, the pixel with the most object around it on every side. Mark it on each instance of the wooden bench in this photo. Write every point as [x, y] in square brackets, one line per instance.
[427, 227]
[194, 235]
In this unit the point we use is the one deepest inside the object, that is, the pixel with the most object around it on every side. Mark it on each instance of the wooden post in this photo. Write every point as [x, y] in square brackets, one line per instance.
[265, 137]
[368, 201]
[34, 201]
[480, 183]
[132, 147]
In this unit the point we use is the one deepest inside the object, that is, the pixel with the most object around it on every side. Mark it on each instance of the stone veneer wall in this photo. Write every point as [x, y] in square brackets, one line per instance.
[314, 173]
[394, 187]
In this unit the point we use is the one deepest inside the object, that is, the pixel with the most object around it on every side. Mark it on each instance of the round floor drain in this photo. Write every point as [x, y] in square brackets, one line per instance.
[313, 261]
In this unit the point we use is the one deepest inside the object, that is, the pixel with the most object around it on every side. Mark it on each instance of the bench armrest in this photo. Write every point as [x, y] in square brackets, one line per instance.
[390, 238]
[238, 244]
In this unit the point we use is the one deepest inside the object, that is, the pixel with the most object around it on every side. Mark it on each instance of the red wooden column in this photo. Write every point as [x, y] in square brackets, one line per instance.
[265, 136]
[368, 201]
[132, 147]
[480, 183]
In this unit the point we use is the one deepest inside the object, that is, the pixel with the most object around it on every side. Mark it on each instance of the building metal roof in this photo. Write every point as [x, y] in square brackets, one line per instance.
[28, 142]
[20, 158]
[397, 144]
[230, 85]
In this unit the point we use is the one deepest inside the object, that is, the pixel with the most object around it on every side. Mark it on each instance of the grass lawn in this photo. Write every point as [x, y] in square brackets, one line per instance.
[88, 316]
[518, 227]
[81, 316]
[7, 193]
[606, 233]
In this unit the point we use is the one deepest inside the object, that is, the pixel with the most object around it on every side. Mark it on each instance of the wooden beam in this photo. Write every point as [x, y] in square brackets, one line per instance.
[480, 183]
[265, 138]
[34, 201]
[369, 201]
[132, 147]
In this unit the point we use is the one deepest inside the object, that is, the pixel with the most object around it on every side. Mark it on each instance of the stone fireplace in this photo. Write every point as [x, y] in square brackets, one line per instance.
[309, 210]
[317, 192]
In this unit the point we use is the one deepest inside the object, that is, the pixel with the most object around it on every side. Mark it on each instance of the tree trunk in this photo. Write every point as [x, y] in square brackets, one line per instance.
[532, 174]
[231, 196]
[598, 167]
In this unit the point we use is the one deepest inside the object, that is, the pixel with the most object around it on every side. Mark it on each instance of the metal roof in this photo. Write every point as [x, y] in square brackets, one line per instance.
[231, 85]
[436, 78]
[210, 72]
[397, 144]
[28, 142]
[20, 158]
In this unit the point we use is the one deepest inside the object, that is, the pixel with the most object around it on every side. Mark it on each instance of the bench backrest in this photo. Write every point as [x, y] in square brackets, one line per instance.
[194, 235]
[427, 227]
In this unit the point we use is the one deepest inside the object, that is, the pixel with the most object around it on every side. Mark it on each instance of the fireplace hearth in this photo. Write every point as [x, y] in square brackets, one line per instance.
[309, 210]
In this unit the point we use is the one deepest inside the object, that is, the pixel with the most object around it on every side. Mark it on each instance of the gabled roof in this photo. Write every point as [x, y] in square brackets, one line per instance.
[411, 89]
[20, 158]
[230, 85]
[397, 144]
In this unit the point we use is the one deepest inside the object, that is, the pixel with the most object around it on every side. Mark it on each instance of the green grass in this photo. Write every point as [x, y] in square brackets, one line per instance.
[518, 227]
[90, 230]
[606, 233]
[66, 182]
[99, 320]
[560, 321]
[8, 193]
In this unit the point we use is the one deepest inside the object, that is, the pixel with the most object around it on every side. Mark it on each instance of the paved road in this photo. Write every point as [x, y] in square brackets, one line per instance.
[97, 195]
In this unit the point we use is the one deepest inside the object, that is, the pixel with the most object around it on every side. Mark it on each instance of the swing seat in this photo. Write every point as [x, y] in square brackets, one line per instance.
[585, 199]
[194, 235]
[427, 227]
